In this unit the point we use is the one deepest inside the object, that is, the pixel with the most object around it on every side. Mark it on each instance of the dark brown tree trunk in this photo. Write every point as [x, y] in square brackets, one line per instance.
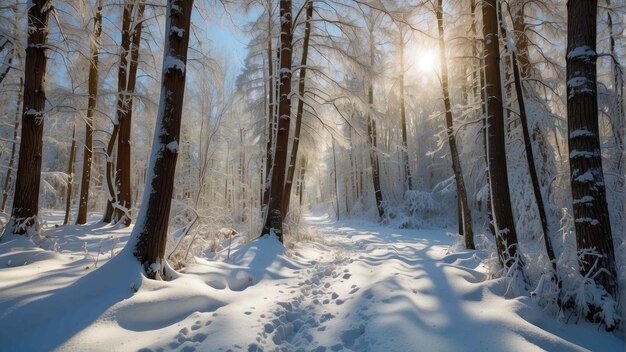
[109, 177]
[405, 146]
[152, 223]
[591, 216]
[300, 108]
[25, 207]
[530, 160]
[124, 118]
[83, 205]
[269, 152]
[464, 210]
[528, 148]
[70, 179]
[506, 236]
[274, 220]
[122, 85]
[7, 180]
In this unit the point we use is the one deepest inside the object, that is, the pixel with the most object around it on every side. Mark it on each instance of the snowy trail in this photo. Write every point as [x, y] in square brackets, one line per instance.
[377, 289]
[366, 288]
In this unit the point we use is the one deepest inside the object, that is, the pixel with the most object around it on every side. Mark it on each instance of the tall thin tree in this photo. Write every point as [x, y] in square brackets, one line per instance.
[274, 217]
[83, 201]
[28, 177]
[591, 216]
[506, 235]
[152, 222]
[300, 109]
[463, 207]
[123, 166]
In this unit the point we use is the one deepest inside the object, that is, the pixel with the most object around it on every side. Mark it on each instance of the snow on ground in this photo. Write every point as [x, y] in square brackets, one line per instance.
[367, 288]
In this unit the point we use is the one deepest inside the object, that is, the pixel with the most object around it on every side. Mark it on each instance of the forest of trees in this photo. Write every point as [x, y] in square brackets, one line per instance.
[509, 112]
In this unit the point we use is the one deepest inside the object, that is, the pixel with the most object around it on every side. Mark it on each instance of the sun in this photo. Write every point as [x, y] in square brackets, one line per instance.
[426, 60]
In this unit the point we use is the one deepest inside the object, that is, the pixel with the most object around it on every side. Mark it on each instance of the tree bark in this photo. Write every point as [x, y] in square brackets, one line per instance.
[464, 210]
[530, 160]
[124, 117]
[152, 223]
[300, 108]
[506, 236]
[83, 205]
[269, 154]
[528, 147]
[70, 180]
[274, 219]
[591, 217]
[25, 207]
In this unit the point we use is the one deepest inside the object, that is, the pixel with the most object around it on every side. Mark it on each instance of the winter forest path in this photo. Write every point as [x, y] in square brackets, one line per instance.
[371, 288]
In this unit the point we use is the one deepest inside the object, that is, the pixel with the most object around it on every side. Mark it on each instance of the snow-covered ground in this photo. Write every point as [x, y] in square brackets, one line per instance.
[365, 288]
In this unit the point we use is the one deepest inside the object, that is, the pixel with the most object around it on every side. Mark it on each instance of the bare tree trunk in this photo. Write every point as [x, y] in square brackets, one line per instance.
[25, 207]
[591, 216]
[528, 148]
[152, 223]
[269, 153]
[530, 160]
[83, 205]
[109, 177]
[372, 137]
[70, 180]
[506, 236]
[300, 109]
[274, 221]
[464, 210]
[408, 182]
[7, 180]
[122, 85]
[124, 117]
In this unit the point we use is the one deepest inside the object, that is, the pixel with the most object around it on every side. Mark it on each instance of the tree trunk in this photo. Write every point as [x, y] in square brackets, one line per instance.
[528, 147]
[152, 223]
[372, 137]
[7, 180]
[506, 236]
[25, 207]
[591, 217]
[83, 205]
[408, 182]
[300, 108]
[269, 153]
[464, 210]
[274, 220]
[124, 118]
[70, 180]
[530, 160]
